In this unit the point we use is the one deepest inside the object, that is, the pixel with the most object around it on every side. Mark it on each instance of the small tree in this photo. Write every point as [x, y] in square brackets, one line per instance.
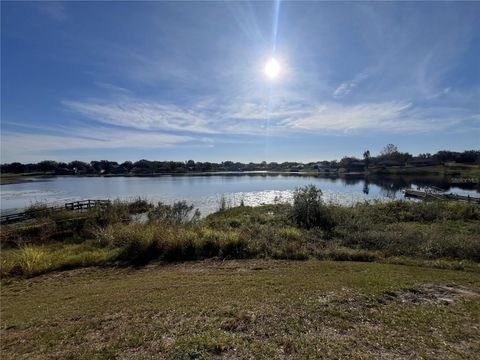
[389, 150]
[366, 158]
[309, 211]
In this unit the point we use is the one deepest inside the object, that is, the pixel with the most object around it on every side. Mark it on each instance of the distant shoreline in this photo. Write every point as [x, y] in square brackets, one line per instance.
[450, 172]
[21, 178]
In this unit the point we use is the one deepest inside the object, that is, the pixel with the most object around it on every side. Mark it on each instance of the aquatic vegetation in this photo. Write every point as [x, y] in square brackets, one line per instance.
[309, 228]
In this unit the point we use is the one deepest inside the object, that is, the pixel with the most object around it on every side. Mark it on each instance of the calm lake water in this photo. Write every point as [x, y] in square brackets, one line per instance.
[205, 191]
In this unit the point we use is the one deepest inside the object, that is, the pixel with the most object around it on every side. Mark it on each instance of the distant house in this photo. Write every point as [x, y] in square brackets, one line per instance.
[389, 163]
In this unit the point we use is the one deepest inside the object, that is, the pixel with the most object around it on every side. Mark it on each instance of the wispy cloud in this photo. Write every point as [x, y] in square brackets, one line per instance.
[237, 116]
[142, 115]
[276, 109]
[112, 88]
[391, 117]
[445, 91]
[347, 87]
[278, 116]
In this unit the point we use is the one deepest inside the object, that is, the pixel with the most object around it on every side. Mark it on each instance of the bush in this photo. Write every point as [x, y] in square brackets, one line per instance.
[309, 211]
[179, 213]
[113, 213]
[139, 206]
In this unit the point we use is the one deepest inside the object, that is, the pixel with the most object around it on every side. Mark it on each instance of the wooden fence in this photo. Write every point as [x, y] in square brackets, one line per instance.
[440, 196]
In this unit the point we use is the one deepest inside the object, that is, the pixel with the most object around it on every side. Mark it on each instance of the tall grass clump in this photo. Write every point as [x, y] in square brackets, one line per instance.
[32, 258]
[309, 210]
[222, 203]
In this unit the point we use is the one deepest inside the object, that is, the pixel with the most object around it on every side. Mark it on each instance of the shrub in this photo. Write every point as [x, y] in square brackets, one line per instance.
[309, 211]
[139, 206]
[114, 212]
[179, 213]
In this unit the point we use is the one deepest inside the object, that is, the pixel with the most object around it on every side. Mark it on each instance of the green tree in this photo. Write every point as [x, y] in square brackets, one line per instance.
[366, 158]
[48, 165]
[389, 150]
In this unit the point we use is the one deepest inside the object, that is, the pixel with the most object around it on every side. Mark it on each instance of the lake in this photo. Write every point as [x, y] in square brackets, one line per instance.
[205, 191]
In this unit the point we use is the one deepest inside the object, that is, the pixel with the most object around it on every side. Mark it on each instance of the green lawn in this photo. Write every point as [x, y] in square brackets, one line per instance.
[257, 309]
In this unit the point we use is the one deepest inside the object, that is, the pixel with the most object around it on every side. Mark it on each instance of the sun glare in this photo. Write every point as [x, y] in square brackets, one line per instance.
[272, 68]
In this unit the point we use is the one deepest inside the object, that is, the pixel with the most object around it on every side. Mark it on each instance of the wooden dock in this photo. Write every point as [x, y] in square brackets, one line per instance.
[71, 206]
[429, 194]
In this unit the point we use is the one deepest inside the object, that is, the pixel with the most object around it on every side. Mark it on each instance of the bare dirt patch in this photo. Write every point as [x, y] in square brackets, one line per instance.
[428, 294]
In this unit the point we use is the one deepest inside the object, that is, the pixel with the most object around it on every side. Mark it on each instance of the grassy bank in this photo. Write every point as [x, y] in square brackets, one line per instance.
[286, 281]
[261, 309]
[438, 234]
[14, 178]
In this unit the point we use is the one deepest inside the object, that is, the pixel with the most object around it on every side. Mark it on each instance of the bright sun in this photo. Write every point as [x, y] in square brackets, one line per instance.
[272, 68]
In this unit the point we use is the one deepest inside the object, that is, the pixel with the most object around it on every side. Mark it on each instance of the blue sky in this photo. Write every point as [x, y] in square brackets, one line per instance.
[185, 80]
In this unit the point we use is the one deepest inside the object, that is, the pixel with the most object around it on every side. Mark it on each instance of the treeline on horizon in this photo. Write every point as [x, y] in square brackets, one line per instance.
[389, 156]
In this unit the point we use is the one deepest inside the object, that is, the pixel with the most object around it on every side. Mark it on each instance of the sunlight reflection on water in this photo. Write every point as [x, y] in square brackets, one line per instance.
[205, 203]
[211, 203]
[204, 192]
